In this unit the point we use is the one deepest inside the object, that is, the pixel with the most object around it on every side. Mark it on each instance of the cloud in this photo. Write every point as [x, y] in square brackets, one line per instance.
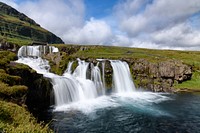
[93, 32]
[58, 16]
[181, 35]
[160, 24]
[149, 16]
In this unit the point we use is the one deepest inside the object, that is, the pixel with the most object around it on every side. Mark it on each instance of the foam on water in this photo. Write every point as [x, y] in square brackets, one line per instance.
[141, 101]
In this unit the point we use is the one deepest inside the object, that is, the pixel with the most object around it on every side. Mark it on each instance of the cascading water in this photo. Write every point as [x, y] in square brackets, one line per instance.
[69, 68]
[96, 78]
[122, 80]
[31, 56]
[35, 51]
[76, 86]
[67, 88]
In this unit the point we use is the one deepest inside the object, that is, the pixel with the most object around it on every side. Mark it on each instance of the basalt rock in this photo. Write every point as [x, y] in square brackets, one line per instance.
[160, 76]
[39, 96]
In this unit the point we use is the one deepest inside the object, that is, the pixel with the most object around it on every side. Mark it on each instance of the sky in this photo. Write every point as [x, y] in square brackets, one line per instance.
[157, 24]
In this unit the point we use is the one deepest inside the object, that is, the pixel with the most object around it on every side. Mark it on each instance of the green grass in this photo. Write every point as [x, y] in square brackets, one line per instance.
[113, 52]
[193, 84]
[10, 92]
[15, 119]
[5, 58]
[19, 41]
[16, 20]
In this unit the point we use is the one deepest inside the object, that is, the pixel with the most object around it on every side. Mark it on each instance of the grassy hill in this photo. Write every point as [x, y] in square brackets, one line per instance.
[15, 27]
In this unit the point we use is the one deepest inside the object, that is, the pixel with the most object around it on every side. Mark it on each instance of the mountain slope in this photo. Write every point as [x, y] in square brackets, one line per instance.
[17, 27]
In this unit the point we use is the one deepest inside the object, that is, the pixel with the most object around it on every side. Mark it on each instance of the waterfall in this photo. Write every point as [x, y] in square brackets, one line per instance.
[69, 68]
[103, 74]
[35, 51]
[71, 87]
[81, 69]
[66, 90]
[85, 83]
[122, 80]
[96, 78]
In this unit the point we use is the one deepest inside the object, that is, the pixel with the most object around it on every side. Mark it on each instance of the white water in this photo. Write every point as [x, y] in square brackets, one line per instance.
[67, 88]
[122, 81]
[96, 78]
[35, 51]
[69, 68]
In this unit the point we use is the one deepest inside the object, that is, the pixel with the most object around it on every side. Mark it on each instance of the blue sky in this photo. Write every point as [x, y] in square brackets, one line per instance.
[99, 8]
[160, 24]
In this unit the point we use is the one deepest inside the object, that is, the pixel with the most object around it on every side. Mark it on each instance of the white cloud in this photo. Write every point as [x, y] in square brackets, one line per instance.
[58, 16]
[154, 16]
[181, 35]
[158, 24]
[93, 32]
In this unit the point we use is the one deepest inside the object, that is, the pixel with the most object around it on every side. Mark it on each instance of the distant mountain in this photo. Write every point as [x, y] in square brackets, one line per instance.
[17, 28]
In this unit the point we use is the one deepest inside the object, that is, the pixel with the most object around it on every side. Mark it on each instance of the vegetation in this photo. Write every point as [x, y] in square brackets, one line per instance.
[15, 119]
[17, 28]
[193, 84]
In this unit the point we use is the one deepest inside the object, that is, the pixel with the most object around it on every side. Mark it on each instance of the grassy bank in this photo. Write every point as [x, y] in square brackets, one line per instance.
[14, 117]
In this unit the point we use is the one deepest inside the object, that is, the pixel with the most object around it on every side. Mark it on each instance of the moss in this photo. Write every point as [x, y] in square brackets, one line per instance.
[19, 69]
[9, 79]
[58, 62]
[15, 91]
[15, 119]
[5, 58]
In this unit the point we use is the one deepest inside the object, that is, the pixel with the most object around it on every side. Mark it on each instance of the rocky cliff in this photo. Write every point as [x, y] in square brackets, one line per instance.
[161, 76]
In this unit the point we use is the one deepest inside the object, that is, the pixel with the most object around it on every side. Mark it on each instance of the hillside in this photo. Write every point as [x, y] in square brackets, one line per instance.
[15, 27]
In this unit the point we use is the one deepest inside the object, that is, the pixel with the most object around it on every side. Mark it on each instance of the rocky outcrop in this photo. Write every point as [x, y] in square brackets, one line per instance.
[39, 96]
[160, 76]
[4, 45]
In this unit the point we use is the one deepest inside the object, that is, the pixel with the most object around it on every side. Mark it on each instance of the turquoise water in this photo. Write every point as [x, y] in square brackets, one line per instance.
[131, 113]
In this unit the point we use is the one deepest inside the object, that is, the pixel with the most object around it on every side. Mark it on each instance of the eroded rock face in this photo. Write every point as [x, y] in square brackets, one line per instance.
[160, 76]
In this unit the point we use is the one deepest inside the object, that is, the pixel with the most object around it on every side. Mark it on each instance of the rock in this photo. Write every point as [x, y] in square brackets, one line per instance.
[160, 76]
[167, 69]
[39, 88]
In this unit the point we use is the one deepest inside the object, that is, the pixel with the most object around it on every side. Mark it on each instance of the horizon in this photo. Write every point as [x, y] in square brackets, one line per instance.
[153, 24]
